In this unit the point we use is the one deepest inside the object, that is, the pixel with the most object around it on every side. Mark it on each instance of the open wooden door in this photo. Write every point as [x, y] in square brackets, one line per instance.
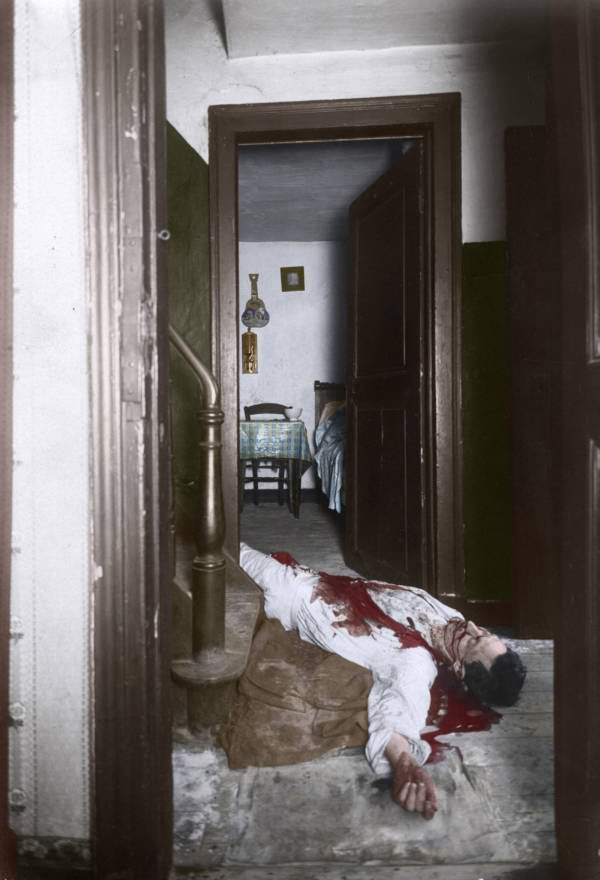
[388, 494]
[534, 297]
[576, 126]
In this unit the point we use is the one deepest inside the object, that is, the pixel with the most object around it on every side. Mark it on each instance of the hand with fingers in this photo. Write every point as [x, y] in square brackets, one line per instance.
[412, 787]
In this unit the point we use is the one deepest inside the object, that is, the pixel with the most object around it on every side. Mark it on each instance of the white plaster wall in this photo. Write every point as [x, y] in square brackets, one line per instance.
[267, 27]
[501, 85]
[51, 583]
[305, 338]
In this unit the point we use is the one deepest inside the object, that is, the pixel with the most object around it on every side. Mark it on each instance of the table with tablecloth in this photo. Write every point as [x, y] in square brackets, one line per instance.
[278, 440]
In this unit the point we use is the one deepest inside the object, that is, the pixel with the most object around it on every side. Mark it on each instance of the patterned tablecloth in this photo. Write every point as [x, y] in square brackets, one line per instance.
[275, 439]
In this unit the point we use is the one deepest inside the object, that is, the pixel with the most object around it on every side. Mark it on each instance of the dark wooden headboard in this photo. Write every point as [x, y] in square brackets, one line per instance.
[324, 393]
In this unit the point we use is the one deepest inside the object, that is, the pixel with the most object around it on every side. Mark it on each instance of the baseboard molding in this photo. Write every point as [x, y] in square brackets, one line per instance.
[486, 612]
[53, 872]
[46, 858]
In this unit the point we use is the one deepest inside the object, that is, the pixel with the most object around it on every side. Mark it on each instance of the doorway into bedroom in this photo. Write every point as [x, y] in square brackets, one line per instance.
[295, 274]
[403, 475]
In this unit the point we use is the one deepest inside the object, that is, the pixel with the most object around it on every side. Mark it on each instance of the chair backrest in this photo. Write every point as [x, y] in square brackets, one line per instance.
[257, 409]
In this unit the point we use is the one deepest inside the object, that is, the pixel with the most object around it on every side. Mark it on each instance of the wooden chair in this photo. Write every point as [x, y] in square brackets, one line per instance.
[256, 464]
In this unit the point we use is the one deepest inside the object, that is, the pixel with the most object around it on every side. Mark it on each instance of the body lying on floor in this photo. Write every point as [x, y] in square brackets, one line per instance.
[403, 636]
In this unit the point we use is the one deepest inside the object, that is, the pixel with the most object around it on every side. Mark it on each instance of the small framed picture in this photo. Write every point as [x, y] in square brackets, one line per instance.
[292, 278]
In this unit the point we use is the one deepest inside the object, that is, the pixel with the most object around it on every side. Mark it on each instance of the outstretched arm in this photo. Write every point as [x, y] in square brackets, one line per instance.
[412, 787]
[398, 706]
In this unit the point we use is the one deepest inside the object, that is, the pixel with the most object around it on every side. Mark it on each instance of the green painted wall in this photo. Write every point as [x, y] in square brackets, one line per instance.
[486, 421]
[189, 307]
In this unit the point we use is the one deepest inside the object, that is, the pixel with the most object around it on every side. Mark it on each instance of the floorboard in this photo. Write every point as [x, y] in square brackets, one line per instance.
[488, 871]
[326, 819]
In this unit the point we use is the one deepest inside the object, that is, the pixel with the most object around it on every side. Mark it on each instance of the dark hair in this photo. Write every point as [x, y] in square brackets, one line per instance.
[501, 684]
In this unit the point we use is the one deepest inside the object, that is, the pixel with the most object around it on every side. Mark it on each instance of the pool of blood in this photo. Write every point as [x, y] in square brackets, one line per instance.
[453, 709]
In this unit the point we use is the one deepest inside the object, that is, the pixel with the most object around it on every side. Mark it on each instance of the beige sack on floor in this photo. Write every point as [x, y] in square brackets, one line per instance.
[295, 702]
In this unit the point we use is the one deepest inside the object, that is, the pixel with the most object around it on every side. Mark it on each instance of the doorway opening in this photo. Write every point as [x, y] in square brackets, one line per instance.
[577, 130]
[435, 119]
[294, 222]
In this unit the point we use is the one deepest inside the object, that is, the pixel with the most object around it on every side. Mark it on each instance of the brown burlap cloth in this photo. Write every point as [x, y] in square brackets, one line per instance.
[294, 703]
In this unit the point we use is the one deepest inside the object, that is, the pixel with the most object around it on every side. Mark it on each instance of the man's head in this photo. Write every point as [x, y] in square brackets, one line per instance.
[491, 671]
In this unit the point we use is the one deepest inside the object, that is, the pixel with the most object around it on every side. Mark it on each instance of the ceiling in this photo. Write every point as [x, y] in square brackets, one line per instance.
[267, 27]
[302, 192]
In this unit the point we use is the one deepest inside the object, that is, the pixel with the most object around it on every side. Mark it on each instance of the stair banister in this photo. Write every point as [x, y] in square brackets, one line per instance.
[209, 566]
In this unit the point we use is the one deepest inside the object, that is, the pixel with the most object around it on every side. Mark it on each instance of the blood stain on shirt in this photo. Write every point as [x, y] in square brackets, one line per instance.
[453, 709]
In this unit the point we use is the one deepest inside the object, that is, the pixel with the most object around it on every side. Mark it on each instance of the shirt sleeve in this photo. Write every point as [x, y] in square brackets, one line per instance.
[399, 703]
[280, 583]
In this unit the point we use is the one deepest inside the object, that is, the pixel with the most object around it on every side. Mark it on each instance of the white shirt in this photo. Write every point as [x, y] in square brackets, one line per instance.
[402, 677]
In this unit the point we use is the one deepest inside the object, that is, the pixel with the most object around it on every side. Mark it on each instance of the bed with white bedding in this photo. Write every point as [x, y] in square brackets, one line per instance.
[330, 441]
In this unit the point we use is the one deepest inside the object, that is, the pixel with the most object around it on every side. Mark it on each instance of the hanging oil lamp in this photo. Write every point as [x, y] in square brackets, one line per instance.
[255, 314]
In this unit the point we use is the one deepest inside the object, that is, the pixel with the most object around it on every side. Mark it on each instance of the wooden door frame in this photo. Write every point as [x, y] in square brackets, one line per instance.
[114, 669]
[231, 126]
[575, 122]
[7, 848]
[125, 128]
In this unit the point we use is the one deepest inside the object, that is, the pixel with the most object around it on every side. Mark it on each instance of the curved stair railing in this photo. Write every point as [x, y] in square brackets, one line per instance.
[209, 564]
[225, 602]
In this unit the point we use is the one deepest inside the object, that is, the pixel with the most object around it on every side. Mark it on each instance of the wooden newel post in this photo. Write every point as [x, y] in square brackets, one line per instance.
[208, 569]
[210, 674]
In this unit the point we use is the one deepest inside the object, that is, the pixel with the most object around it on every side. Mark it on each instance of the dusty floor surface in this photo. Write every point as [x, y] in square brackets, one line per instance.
[366, 872]
[495, 789]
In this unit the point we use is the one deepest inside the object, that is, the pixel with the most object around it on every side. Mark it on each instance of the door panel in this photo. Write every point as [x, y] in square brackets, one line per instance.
[367, 424]
[394, 521]
[381, 307]
[576, 128]
[534, 293]
[387, 388]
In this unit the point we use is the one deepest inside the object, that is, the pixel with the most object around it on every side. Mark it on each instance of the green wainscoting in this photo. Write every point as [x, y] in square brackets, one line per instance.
[189, 306]
[486, 421]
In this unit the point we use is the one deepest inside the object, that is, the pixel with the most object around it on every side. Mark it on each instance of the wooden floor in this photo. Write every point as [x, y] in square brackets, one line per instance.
[487, 871]
[315, 539]
[519, 767]
[324, 820]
